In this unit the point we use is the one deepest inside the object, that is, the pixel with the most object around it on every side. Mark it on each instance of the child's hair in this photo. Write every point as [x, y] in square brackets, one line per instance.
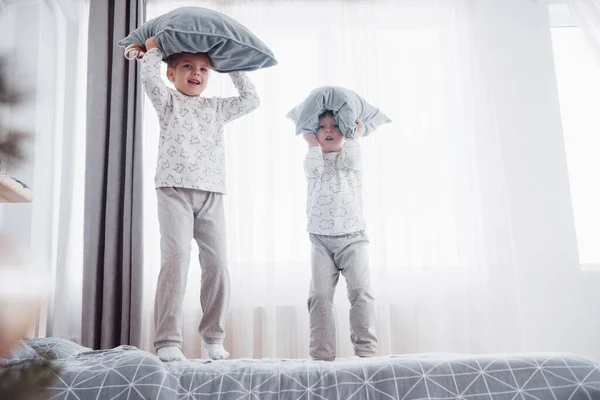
[174, 59]
[326, 113]
[136, 51]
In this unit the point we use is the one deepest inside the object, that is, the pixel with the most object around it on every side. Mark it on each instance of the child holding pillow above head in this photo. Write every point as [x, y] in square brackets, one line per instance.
[337, 234]
[190, 184]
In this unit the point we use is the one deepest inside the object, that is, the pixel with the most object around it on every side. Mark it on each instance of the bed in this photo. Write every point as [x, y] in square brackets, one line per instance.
[128, 373]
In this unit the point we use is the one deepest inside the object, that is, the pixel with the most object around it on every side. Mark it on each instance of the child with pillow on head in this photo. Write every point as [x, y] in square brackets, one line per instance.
[339, 242]
[190, 184]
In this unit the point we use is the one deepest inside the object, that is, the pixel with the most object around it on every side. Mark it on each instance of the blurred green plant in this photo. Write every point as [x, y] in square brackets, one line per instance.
[11, 141]
[27, 380]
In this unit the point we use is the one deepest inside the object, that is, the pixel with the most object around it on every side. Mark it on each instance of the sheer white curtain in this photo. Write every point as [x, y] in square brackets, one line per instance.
[45, 43]
[451, 216]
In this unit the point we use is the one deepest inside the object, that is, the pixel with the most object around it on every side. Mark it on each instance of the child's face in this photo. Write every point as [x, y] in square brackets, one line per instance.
[190, 76]
[329, 135]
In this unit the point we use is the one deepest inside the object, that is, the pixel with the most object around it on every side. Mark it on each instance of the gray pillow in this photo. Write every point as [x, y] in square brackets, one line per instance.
[347, 106]
[230, 45]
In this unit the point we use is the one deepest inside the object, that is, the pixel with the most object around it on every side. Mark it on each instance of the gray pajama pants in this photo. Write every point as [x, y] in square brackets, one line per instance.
[184, 214]
[331, 255]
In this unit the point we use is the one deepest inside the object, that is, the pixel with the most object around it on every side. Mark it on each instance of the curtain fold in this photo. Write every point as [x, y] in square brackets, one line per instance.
[112, 280]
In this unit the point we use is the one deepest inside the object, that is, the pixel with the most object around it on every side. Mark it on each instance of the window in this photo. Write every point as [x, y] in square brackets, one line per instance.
[578, 78]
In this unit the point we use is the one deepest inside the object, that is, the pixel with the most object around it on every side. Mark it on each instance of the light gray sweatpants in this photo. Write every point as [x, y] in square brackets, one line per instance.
[184, 214]
[331, 255]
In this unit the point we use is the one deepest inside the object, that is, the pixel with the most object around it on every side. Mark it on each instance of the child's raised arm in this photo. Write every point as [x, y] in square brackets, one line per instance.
[234, 107]
[153, 84]
[350, 155]
[314, 165]
[311, 139]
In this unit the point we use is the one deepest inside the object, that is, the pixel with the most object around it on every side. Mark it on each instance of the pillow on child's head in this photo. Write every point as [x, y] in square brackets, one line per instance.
[230, 45]
[347, 107]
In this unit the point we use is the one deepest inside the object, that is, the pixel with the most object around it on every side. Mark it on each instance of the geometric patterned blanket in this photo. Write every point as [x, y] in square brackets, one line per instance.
[126, 373]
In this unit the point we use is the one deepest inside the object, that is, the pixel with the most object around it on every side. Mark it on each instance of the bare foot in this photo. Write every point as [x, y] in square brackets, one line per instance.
[170, 353]
[216, 351]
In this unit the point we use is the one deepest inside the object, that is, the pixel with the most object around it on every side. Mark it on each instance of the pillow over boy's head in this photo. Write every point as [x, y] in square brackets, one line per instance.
[230, 45]
[347, 106]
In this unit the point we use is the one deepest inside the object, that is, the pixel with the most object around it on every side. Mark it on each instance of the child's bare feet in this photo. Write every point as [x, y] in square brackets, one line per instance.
[216, 351]
[170, 353]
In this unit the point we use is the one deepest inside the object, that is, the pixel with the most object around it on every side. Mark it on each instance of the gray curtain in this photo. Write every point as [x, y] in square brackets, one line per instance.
[112, 279]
